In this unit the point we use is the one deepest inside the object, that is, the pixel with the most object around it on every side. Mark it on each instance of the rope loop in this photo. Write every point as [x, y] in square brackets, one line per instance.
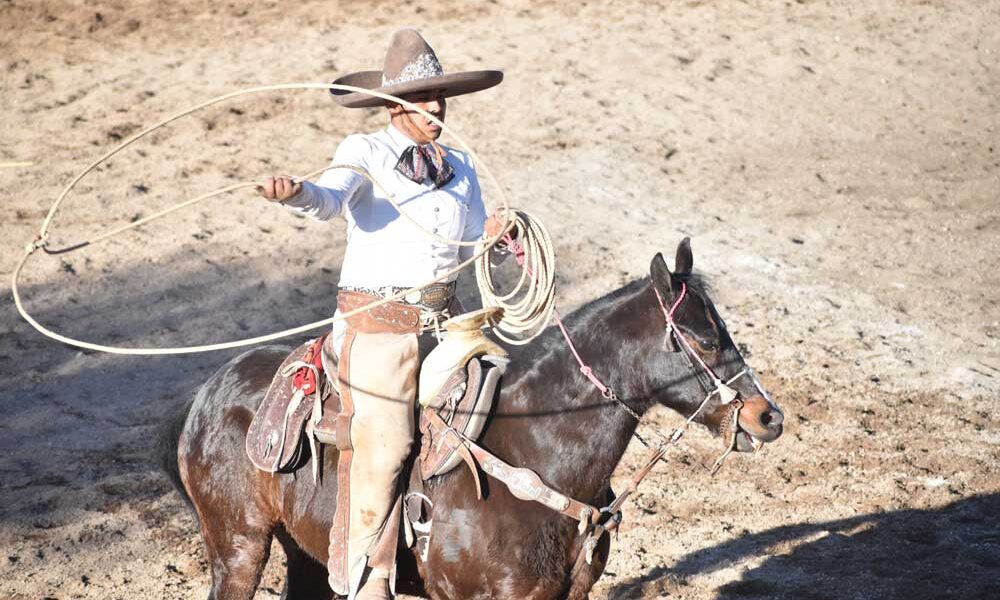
[529, 305]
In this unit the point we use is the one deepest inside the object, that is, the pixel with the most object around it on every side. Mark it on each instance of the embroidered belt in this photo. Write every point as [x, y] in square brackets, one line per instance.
[433, 298]
[392, 317]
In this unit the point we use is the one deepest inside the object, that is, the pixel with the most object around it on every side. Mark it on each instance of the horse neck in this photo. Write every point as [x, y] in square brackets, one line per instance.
[553, 420]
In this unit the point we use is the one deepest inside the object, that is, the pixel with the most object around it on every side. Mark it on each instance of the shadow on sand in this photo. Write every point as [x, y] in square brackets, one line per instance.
[914, 554]
[78, 421]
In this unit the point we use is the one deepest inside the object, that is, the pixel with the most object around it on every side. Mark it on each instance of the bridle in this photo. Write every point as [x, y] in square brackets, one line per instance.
[710, 383]
[596, 521]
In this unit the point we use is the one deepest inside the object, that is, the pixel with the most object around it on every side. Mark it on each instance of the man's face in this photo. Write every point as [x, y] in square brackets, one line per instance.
[415, 125]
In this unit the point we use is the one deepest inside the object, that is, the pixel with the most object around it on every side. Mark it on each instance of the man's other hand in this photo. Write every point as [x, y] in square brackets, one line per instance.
[279, 189]
[494, 224]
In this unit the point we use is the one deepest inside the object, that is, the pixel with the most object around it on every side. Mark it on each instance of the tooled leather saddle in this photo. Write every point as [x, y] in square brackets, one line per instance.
[302, 409]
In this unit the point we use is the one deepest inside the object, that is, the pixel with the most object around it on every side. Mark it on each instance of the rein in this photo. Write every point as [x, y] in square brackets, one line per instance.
[656, 452]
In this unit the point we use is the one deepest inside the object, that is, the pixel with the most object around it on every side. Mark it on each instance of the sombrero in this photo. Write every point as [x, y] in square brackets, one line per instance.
[411, 66]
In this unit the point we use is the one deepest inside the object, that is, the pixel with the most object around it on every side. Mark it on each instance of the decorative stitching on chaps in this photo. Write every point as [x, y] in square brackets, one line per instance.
[337, 561]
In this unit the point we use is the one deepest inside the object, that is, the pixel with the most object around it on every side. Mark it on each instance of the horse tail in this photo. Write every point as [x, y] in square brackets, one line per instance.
[167, 445]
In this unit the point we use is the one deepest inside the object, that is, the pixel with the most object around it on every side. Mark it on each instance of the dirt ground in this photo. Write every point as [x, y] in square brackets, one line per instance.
[837, 165]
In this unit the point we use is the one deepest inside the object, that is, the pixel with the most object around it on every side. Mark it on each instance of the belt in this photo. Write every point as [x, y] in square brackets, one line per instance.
[435, 297]
[392, 317]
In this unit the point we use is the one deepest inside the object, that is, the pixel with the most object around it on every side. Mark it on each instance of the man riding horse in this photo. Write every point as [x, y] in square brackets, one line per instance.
[436, 186]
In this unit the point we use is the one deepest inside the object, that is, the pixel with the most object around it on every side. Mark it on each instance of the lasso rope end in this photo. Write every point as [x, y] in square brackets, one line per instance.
[37, 244]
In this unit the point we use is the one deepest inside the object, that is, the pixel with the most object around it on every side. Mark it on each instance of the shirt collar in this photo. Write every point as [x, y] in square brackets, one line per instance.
[399, 139]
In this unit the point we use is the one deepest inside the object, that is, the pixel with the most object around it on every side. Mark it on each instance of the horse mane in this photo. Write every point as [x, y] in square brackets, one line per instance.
[577, 322]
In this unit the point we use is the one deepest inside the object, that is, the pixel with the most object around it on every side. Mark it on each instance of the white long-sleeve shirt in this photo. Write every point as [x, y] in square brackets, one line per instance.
[384, 249]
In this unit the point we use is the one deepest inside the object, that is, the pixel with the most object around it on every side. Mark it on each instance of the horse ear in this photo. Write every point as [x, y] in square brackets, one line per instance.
[660, 274]
[684, 260]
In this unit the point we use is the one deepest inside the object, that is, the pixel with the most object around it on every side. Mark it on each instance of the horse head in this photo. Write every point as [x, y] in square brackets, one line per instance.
[709, 379]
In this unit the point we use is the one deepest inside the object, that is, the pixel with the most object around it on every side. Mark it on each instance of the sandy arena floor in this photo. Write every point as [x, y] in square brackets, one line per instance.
[837, 165]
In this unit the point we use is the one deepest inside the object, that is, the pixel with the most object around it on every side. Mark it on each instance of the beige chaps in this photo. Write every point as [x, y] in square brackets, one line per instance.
[378, 375]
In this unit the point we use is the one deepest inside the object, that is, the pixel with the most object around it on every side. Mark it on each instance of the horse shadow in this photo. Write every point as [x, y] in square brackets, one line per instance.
[951, 551]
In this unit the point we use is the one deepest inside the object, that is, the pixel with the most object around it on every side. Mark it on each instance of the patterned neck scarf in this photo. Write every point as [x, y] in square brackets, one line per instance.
[423, 163]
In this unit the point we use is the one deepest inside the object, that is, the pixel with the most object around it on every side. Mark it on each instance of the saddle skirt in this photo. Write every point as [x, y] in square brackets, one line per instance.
[302, 408]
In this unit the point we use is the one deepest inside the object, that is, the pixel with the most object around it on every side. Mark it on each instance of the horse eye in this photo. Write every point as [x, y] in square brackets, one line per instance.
[707, 346]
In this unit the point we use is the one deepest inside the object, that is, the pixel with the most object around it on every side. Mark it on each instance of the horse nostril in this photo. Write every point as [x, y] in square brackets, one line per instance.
[771, 419]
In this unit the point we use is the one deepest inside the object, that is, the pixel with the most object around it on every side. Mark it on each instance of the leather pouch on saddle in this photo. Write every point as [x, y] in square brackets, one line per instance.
[295, 397]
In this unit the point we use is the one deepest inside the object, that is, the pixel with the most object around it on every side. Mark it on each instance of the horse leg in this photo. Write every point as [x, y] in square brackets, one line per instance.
[236, 524]
[306, 578]
[584, 575]
[237, 561]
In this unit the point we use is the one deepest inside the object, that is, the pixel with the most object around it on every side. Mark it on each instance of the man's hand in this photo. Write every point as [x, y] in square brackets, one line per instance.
[494, 224]
[279, 189]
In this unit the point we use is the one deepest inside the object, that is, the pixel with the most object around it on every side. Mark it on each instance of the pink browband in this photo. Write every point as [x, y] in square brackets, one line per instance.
[672, 328]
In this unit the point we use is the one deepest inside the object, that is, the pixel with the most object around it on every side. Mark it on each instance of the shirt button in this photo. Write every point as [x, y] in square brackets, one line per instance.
[435, 230]
[437, 209]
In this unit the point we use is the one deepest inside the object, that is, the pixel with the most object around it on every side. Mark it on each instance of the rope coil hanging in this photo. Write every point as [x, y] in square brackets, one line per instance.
[528, 306]
[517, 324]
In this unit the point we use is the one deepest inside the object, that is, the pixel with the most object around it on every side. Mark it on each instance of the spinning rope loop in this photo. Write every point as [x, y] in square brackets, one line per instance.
[520, 320]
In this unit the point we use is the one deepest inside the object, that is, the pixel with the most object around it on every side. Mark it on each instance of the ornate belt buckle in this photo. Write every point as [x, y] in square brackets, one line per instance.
[436, 297]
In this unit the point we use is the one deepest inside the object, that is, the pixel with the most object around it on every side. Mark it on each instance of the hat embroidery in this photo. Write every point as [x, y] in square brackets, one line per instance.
[424, 66]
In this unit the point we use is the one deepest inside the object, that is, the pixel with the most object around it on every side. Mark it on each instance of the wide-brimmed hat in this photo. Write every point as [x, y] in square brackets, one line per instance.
[411, 66]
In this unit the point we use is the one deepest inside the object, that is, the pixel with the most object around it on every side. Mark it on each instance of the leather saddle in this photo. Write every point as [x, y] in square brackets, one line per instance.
[301, 409]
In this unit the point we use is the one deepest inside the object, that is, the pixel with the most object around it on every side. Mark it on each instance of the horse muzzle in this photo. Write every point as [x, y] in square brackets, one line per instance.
[759, 420]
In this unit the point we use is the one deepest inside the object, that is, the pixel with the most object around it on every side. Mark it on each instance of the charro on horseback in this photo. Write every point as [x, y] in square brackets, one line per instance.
[346, 401]
[379, 353]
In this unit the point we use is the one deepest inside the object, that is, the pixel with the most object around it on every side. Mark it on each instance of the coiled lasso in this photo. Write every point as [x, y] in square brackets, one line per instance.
[528, 306]
[518, 324]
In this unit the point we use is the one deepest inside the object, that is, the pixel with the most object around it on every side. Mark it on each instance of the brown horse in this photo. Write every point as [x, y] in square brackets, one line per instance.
[547, 417]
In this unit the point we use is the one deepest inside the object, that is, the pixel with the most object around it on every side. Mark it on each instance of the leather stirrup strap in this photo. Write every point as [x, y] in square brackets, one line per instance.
[449, 436]
[470, 460]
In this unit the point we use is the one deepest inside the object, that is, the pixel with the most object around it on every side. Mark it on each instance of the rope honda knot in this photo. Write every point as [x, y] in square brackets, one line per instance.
[37, 244]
